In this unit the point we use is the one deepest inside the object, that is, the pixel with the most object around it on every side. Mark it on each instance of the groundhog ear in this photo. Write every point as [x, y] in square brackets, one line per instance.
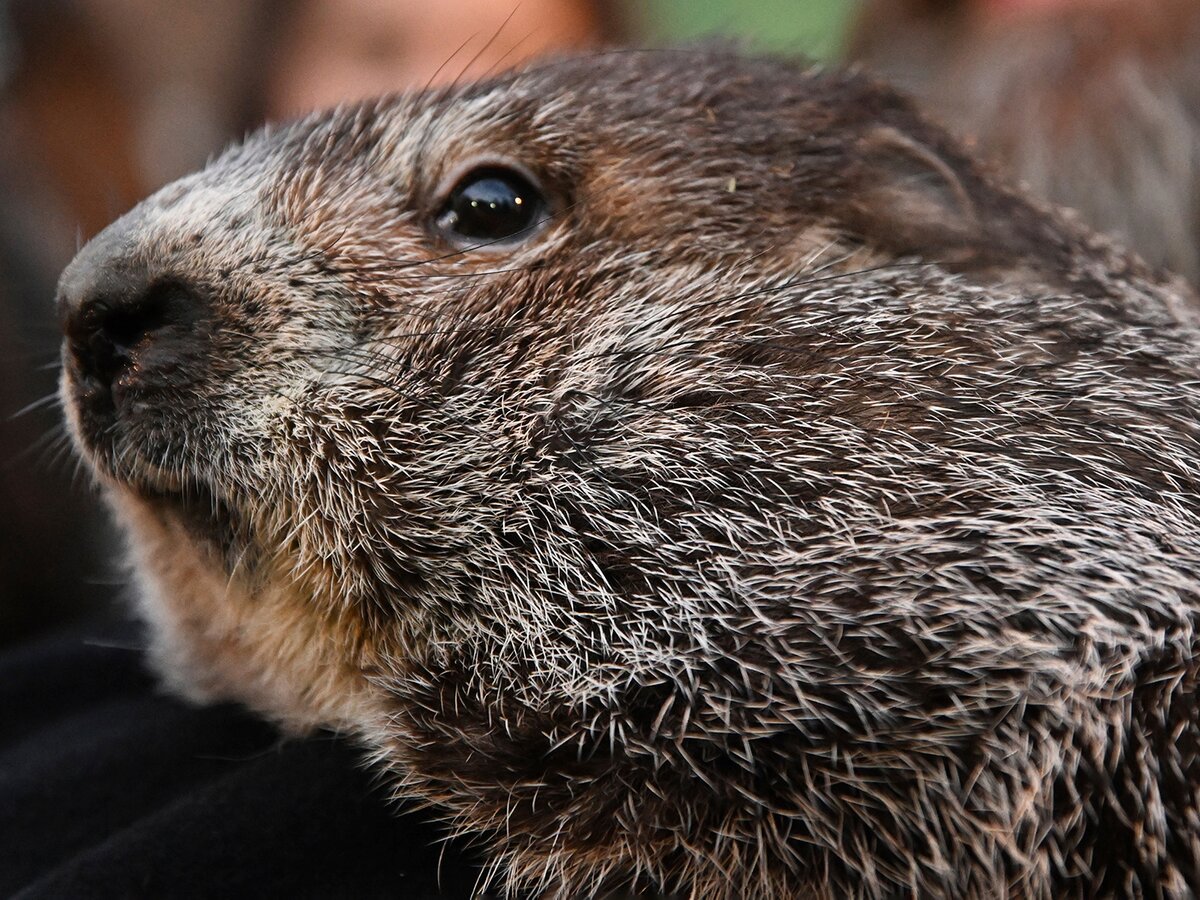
[912, 200]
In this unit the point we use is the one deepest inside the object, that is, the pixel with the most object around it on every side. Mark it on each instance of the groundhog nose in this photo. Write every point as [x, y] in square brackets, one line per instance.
[126, 327]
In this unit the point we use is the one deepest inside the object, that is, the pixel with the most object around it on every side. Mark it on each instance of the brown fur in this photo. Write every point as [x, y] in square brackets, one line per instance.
[798, 513]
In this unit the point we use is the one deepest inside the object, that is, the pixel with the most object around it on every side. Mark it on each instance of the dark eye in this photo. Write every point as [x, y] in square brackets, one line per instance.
[491, 204]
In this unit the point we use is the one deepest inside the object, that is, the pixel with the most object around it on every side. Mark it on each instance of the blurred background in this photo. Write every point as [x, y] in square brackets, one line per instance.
[1093, 103]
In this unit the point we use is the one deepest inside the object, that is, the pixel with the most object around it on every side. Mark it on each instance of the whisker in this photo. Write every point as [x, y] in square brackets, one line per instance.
[38, 446]
[497, 66]
[41, 403]
[447, 61]
[487, 45]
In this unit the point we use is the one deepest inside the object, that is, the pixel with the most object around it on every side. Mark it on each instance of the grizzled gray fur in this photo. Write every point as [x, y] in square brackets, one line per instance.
[789, 509]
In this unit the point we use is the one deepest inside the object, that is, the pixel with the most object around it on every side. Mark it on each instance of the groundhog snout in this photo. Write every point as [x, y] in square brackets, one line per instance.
[129, 329]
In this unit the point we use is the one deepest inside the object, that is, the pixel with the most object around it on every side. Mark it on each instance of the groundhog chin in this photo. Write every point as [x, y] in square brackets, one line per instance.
[219, 634]
[228, 619]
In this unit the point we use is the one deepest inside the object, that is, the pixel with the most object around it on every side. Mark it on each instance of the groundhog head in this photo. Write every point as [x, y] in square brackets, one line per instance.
[689, 473]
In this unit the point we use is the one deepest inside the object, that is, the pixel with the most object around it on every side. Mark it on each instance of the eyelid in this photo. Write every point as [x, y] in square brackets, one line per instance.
[454, 176]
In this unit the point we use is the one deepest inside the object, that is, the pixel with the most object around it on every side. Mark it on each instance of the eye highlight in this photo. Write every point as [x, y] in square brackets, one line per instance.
[491, 203]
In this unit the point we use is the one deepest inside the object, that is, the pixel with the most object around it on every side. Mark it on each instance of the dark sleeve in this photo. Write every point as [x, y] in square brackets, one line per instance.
[108, 789]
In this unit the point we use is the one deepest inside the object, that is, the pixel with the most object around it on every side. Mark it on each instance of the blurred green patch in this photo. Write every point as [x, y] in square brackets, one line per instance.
[810, 27]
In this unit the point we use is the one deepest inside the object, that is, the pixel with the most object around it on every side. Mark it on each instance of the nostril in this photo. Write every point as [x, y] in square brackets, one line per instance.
[109, 334]
[124, 329]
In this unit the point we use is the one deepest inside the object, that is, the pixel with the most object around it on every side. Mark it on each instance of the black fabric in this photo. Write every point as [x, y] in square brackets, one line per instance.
[109, 789]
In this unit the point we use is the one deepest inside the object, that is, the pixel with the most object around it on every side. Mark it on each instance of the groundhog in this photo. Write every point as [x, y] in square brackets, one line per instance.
[691, 474]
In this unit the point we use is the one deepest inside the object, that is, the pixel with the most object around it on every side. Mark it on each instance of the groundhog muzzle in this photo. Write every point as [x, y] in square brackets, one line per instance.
[690, 474]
